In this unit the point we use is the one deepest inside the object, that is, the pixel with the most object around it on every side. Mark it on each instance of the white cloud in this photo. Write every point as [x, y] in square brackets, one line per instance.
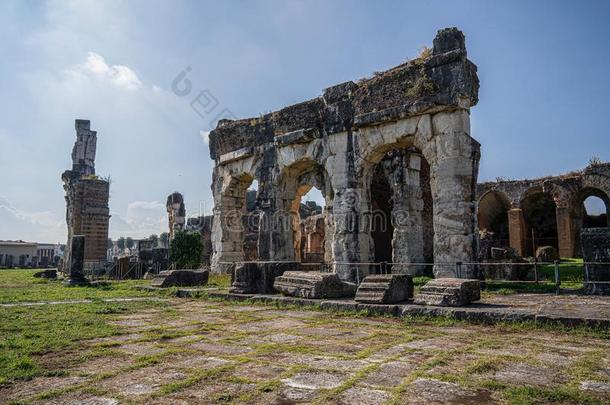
[143, 219]
[36, 226]
[205, 135]
[95, 66]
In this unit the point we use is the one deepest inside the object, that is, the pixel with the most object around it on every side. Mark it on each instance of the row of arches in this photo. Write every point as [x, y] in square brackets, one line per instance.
[588, 208]
[400, 211]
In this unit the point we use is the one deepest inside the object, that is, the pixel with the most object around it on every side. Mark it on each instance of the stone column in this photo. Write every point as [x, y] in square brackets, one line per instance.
[77, 261]
[565, 234]
[351, 236]
[517, 230]
[276, 235]
[454, 170]
[408, 242]
[227, 226]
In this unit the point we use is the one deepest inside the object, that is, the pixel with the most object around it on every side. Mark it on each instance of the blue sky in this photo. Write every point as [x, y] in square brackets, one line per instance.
[543, 67]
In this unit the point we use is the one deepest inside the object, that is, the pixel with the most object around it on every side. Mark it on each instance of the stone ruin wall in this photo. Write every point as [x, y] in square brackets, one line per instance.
[335, 141]
[87, 211]
[559, 204]
[176, 213]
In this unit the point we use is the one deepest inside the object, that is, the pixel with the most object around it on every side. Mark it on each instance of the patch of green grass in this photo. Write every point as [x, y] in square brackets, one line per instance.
[27, 332]
[484, 365]
[199, 375]
[21, 286]
[219, 280]
[525, 395]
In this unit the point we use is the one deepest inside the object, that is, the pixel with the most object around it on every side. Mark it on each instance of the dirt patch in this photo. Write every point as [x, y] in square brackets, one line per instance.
[389, 374]
[363, 396]
[315, 380]
[425, 392]
[527, 374]
[39, 385]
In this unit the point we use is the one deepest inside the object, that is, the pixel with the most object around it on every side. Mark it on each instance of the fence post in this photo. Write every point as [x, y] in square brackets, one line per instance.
[535, 270]
[586, 274]
[458, 269]
[557, 278]
[384, 267]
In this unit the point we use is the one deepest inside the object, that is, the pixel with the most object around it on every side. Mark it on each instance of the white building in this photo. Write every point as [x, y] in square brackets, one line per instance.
[17, 253]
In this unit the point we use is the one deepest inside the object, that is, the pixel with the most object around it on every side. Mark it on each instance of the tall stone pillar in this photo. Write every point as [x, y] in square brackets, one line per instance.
[565, 232]
[517, 230]
[77, 261]
[408, 242]
[351, 236]
[454, 171]
[227, 226]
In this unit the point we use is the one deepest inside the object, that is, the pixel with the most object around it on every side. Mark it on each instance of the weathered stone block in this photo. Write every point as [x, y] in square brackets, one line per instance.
[547, 254]
[49, 273]
[313, 285]
[181, 278]
[258, 277]
[385, 289]
[596, 249]
[449, 292]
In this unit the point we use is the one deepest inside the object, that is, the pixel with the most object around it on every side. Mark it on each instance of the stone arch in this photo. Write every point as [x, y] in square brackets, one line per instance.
[540, 215]
[579, 218]
[295, 181]
[492, 218]
[444, 143]
[230, 185]
[398, 203]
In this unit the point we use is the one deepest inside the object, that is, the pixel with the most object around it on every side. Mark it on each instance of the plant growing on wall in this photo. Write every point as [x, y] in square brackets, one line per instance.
[185, 250]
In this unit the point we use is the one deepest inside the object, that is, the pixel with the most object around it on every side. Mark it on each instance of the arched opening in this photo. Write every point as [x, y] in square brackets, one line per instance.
[492, 217]
[310, 193]
[311, 227]
[590, 209]
[595, 212]
[540, 214]
[382, 228]
[401, 224]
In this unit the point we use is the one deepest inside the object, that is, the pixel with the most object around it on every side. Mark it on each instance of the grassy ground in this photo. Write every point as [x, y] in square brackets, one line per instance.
[205, 351]
[20, 286]
[571, 275]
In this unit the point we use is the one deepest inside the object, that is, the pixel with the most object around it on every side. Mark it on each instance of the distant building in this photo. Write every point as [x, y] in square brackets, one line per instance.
[48, 254]
[17, 253]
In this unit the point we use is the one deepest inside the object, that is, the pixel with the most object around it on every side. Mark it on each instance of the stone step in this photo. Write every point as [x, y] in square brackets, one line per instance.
[313, 284]
[385, 289]
[450, 292]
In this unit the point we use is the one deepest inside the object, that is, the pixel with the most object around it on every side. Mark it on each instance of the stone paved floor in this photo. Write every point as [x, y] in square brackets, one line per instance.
[211, 352]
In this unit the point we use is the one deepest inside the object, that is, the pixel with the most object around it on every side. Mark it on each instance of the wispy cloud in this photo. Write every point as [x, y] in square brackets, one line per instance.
[95, 66]
[38, 226]
[143, 218]
[205, 136]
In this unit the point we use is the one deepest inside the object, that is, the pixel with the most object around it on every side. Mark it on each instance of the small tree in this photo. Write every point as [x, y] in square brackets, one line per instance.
[185, 250]
[154, 239]
[164, 239]
[121, 243]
